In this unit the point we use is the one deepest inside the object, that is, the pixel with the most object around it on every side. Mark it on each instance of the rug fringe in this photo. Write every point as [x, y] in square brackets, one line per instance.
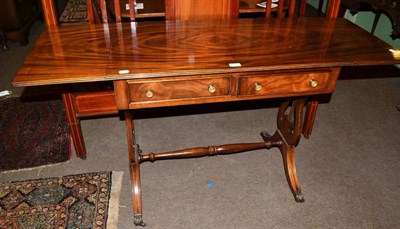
[113, 207]
[35, 168]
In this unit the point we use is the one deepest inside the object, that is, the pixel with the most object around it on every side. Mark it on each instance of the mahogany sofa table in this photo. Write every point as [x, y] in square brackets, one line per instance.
[158, 64]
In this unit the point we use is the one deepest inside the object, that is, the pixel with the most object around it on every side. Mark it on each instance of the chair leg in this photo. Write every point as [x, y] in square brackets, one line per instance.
[319, 10]
[3, 40]
[74, 123]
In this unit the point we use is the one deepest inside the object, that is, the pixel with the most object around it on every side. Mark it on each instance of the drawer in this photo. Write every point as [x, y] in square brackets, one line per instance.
[178, 88]
[286, 83]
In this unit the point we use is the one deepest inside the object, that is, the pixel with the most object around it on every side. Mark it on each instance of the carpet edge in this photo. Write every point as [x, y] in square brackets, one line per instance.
[113, 207]
[39, 168]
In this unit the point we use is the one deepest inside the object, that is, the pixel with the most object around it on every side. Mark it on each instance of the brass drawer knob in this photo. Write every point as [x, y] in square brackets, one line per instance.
[211, 88]
[257, 86]
[313, 83]
[149, 93]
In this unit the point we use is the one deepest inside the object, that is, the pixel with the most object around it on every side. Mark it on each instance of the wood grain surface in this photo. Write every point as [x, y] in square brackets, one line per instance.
[87, 53]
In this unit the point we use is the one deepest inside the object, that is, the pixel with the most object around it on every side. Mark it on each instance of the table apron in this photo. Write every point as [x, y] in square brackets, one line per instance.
[200, 89]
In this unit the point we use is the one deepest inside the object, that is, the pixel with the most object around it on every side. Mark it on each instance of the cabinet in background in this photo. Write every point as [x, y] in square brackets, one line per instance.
[17, 17]
[156, 8]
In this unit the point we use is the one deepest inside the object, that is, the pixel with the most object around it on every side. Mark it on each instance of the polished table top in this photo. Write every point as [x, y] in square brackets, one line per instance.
[87, 53]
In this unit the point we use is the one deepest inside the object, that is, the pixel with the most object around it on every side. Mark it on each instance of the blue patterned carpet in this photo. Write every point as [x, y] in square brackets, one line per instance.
[79, 201]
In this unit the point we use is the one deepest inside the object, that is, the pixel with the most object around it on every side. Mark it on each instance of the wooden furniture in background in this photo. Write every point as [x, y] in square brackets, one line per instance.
[17, 17]
[146, 9]
[201, 9]
[157, 9]
[94, 6]
[388, 7]
[250, 6]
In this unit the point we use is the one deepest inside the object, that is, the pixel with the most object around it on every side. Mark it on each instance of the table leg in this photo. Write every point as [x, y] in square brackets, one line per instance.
[73, 121]
[309, 118]
[286, 138]
[290, 126]
[134, 161]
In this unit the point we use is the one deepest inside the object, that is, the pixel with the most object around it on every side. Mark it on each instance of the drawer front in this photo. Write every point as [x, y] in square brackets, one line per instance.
[284, 83]
[178, 89]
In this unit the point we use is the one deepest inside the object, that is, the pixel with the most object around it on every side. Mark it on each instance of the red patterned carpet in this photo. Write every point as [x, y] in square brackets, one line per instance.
[33, 133]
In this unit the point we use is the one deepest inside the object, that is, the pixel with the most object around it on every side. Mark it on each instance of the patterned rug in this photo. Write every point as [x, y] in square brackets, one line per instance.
[33, 133]
[74, 12]
[78, 201]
